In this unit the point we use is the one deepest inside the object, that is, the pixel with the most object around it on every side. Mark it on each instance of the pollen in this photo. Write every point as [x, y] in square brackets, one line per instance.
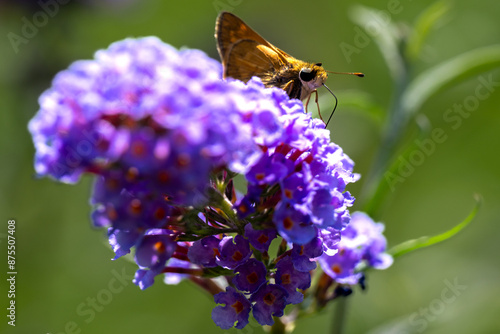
[112, 184]
[286, 279]
[269, 298]
[163, 176]
[238, 307]
[159, 247]
[288, 223]
[260, 176]
[243, 208]
[138, 149]
[336, 269]
[111, 212]
[183, 160]
[216, 251]
[252, 278]
[237, 256]
[160, 213]
[135, 206]
[132, 174]
[301, 252]
[262, 239]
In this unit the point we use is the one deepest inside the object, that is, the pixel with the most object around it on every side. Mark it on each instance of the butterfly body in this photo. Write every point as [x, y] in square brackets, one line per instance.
[244, 54]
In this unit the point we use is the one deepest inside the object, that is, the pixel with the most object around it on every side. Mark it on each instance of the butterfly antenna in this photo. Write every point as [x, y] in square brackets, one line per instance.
[358, 74]
[335, 107]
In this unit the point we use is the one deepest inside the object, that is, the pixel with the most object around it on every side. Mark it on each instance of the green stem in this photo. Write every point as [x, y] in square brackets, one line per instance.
[373, 190]
[219, 200]
[339, 316]
[227, 207]
[278, 327]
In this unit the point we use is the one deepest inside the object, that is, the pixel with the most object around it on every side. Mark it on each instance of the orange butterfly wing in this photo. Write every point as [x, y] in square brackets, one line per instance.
[244, 53]
[243, 64]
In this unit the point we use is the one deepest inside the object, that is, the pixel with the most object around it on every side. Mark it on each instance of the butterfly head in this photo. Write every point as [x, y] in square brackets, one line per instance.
[312, 76]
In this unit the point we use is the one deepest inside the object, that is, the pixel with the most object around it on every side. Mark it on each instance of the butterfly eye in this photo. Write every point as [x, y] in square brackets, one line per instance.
[319, 64]
[307, 74]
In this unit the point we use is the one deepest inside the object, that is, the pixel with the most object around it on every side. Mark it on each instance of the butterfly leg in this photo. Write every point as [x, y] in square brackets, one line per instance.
[317, 104]
[307, 102]
[315, 101]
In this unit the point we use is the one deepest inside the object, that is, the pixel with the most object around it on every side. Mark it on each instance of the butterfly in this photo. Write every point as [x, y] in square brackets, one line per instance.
[244, 54]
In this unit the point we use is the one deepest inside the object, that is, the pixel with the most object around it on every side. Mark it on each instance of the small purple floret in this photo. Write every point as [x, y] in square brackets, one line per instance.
[204, 251]
[260, 239]
[362, 240]
[291, 279]
[250, 275]
[236, 309]
[270, 300]
[233, 252]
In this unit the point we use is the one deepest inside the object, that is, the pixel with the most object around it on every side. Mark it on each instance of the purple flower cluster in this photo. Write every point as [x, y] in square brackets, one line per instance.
[145, 115]
[362, 241]
[164, 136]
[290, 273]
[311, 173]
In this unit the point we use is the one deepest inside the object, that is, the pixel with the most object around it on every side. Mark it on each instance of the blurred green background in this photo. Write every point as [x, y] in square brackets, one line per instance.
[64, 265]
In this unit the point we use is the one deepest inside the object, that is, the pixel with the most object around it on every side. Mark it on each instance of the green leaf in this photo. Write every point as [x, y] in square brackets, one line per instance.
[391, 176]
[426, 21]
[216, 272]
[411, 245]
[385, 34]
[448, 73]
